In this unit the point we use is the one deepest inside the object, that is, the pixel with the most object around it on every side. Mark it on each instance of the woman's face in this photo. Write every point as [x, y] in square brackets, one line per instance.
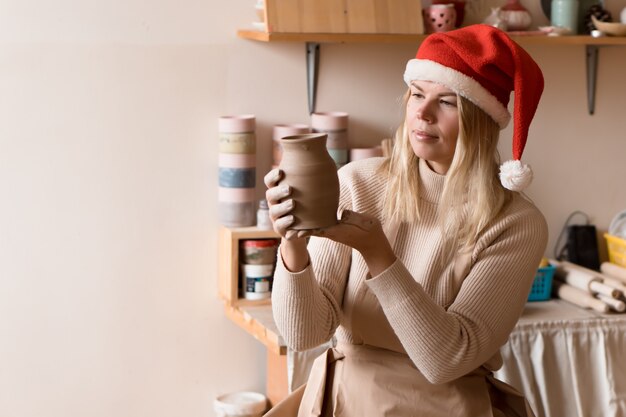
[432, 121]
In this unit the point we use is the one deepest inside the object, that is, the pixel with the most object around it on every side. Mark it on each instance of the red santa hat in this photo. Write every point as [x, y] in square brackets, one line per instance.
[484, 65]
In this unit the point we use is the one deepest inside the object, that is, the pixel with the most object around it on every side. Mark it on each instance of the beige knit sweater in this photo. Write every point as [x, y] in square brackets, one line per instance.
[449, 319]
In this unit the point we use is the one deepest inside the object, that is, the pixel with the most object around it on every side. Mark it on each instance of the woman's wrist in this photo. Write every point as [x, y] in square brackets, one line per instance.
[294, 254]
[378, 261]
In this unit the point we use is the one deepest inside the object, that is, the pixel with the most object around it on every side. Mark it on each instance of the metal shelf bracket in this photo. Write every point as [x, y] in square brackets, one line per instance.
[312, 67]
[591, 53]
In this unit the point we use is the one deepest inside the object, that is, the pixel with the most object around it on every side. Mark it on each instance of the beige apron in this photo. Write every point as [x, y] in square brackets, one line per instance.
[363, 380]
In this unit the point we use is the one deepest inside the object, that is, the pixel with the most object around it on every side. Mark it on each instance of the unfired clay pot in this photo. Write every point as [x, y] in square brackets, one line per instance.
[312, 175]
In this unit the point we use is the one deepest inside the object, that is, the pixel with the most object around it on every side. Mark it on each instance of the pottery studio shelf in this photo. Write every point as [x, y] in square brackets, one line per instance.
[254, 316]
[313, 41]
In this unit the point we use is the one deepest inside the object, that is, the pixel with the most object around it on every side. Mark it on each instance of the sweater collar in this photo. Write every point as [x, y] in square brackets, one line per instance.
[430, 183]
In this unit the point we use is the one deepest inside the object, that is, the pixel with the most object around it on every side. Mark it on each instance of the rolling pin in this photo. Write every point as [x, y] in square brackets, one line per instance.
[614, 271]
[615, 283]
[584, 279]
[579, 297]
[617, 305]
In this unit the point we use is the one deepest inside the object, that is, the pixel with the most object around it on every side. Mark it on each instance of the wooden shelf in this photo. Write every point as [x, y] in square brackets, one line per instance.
[260, 36]
[259, 322]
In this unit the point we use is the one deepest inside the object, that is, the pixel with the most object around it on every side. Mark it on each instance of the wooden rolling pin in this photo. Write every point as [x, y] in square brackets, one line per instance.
[617, 305]
[578, 277]
[579, 297]
[614, 271]
[614, 283]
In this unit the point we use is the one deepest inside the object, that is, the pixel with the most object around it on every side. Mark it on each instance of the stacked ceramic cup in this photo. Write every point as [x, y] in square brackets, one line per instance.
[257, 267]
[335, 125]
[364, 153]
[279, 132]
[237, 171]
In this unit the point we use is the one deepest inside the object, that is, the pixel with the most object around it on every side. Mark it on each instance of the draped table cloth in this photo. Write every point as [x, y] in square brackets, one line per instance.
[569, 362]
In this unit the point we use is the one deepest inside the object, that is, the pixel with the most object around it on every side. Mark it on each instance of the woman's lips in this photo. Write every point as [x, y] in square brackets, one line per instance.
[422, 135]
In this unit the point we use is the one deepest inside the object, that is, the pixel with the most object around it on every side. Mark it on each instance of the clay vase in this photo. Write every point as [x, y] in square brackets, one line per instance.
[311, 173]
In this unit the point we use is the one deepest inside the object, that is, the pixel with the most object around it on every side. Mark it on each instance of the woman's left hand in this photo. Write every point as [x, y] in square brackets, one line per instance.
[365, 234]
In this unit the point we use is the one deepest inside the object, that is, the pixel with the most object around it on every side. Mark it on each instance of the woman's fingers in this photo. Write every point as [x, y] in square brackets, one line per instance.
[362, 221]
[281, 225]
[278, 210]
[276, 193]
[273, 177]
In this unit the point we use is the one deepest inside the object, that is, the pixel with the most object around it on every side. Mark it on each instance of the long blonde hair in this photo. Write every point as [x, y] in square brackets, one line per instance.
[472, 195]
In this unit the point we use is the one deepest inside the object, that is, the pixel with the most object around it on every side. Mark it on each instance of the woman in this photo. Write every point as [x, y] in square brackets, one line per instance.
[430, 265]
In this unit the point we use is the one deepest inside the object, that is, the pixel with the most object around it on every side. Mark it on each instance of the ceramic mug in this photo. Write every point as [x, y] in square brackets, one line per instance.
[439, 18]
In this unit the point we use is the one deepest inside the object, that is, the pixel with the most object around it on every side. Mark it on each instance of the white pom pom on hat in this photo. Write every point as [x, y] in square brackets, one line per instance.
[484, 65]
[515, 176]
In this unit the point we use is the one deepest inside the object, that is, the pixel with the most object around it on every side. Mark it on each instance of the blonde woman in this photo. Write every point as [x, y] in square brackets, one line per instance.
[431, 263]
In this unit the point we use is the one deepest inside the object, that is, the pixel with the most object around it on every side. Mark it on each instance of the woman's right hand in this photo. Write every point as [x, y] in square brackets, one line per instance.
[293, 247]
[280, 206]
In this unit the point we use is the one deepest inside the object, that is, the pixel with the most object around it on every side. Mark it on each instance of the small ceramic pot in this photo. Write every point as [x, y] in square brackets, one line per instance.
[459, 8]
[565, 14]
[364, 153]
[243, 123]
[439, 18]
[237, 170]
[332, 120]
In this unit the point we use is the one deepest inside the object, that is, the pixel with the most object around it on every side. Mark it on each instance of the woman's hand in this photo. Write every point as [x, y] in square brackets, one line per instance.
[293, 246]
[365, 234]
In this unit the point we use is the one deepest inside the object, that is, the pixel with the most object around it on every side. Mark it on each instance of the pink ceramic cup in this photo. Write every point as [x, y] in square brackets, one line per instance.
[439, 18]
[242, 123]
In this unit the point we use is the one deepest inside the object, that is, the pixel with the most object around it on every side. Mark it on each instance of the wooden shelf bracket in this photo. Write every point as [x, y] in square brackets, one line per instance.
[312, 68]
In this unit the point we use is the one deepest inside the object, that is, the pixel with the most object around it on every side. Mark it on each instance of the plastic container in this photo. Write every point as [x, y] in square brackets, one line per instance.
[617, 249]
[542, 286]
[240, 404]
[259, 251]
[257, 281]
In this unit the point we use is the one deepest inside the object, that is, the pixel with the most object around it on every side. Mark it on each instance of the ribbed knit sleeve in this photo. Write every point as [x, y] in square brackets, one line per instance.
[307, 305]
[448, 343]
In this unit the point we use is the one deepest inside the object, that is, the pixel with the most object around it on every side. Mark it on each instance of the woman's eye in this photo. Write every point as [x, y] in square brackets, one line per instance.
[448, 103]
[417, 95]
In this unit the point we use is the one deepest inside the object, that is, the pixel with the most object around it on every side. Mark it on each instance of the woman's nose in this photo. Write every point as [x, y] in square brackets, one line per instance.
[425, 112]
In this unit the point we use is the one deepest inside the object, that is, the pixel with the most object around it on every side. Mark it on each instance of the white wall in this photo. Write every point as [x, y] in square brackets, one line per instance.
[108, 173]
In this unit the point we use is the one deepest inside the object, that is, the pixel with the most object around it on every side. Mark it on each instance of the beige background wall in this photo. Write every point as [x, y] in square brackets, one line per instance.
[108, 173]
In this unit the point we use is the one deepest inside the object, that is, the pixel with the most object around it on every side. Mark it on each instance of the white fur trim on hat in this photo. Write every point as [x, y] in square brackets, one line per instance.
[515, 176]
[426, 70]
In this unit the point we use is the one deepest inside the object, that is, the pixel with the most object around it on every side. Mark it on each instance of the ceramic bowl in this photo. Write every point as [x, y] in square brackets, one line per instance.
[610, 28]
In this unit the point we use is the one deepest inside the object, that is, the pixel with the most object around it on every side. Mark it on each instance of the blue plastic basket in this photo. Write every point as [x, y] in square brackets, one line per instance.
[542, 286]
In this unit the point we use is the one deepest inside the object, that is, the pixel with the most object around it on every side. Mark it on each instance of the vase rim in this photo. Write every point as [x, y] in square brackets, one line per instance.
[302, 137]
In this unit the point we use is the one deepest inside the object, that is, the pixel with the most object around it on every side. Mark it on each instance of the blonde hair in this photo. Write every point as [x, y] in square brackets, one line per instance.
[472, 195]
